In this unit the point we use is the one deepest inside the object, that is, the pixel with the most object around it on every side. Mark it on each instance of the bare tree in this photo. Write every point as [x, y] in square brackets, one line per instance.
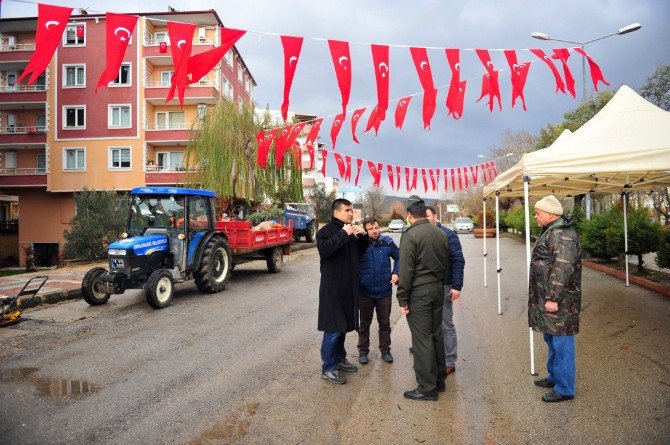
[517, 143]
[373, 201]
[660, 197]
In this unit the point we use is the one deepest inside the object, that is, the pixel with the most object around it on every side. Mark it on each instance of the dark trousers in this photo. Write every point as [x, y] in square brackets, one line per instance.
[367, 307]
[425, 324]
[332, 350]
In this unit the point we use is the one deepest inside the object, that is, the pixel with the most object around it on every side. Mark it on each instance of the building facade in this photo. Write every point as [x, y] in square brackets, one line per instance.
[59, 136]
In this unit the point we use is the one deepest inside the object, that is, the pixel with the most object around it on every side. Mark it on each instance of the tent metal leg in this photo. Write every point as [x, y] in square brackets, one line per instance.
[526, 180]
[498, 269]
[484, 238]
[625, 235]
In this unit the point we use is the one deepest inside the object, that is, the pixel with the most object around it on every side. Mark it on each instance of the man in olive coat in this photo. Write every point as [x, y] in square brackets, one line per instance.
[340, 246]
[554, 296]
[424, 260]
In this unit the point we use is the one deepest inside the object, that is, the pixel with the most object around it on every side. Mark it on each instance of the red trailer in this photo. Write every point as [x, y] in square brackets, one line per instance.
[247, 245]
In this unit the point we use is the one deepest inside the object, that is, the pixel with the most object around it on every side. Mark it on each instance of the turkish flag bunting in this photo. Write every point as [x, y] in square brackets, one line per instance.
[425, 180]
[281, 144]
[292, 47]
[296, 129]
[380, 59]
[389, 170]
[415, 175]
[374, 120]
[162, 47]
[453, 179]
[456, 95]
[465, 177]
[376, 172]
[51, 22]
[422, 65]
[596, 73]
[407, 185]
[341, 166]
[563, 55]
[460, 179]
[490, 85]
[335, 129]
[324, 156]
[297, 153]
[560, 86]
[474, 173]
[262, 156]
[314, 131]
[347, 174]
[519, 73]
[182, 33]
[359, 164]
[310, 152]
[445, 176]
[485, 171]
[354, 121]
[339, 51]
[201, 64]
[495, 169]
[401, 111]
[433, 179]
[119, 29]
[397, 177]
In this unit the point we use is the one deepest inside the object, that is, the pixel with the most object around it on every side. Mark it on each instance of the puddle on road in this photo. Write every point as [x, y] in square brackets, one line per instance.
[230, 430]
[47, 387]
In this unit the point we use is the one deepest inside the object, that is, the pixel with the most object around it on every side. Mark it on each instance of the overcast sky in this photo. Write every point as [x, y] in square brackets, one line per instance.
[627, 59]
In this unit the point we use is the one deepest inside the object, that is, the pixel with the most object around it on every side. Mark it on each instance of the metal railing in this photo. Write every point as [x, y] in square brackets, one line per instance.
[17, 47]
[172, 126]
[196, 41]
[11, 129]
[19, 88]
[161, 84]
[169, 169]
[22, 171]
[11, 226]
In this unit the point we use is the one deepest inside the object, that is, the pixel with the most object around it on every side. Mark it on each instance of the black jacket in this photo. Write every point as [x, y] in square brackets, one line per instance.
[338, 291]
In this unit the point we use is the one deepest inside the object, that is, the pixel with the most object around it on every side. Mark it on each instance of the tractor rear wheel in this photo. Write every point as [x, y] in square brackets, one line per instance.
[90, 287]
[215, 266]
[311, 232]
[159, 289]
[275, 259]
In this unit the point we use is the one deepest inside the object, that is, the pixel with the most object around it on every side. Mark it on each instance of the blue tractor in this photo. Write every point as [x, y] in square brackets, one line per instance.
[303, 216]
[169, 237]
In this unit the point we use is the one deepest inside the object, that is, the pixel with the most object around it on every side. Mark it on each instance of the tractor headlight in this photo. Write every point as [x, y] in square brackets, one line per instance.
[117, 251]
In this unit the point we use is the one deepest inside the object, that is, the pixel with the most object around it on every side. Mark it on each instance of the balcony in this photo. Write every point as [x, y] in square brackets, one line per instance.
[11, 226]
[161, 175]
[203, 92]
[23, 136]
[21, 52]
[23, 93]
[169, 134]
[23, 177]
[152, 52]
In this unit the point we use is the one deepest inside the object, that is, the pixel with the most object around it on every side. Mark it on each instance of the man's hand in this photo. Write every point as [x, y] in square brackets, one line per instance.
[358, 230]
[551, 306]
[404, 310]
[455, 294]
[394, 278]
[349, 229]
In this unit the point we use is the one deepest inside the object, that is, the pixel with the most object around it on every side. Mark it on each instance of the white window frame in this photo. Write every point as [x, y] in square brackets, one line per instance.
[162, 84]
[110, 123]
[166, 37]
[167, 120]
[229, 58]
[75, 169]
[130, 77]
[75, 66]
[37, 163]
[168, 153]
[240, 73]
[73, 45]
[64, 110]
[247, 82]
[228, 89]
[200, 115]
[202, 34]
[110, 158]
[14, 157]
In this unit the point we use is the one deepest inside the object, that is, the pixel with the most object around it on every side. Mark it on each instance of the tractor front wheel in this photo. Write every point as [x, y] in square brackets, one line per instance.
[90, 287]
[159, 289]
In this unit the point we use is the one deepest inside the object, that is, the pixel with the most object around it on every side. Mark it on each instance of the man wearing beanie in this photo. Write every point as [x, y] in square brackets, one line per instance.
[554, 296]
[424, 253]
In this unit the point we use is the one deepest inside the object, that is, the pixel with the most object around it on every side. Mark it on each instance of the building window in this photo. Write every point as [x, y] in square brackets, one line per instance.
[74, 117]
[162, 37]
[227, 89]
[41, 163]
[240, 72]
[202, 34]
[229, 58]
[202, 112]
[119, 116]
[74, 158]
[166, 120]
[170, 160]
[10, 160]
[123, 78]
[166, 78]
[247, 81]
[75, 34]
[119, 158]
[74, 76]
[41, 121]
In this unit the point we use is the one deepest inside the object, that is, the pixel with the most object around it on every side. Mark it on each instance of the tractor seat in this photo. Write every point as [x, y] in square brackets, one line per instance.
[155, 231]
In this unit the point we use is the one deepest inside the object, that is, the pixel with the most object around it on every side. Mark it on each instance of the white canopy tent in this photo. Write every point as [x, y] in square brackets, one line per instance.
[624, 147]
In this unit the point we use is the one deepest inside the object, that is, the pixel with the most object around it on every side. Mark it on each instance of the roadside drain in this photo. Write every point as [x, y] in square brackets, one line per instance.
[48, 387]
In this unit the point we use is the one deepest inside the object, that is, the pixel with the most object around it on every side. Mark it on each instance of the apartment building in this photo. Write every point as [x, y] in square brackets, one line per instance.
[58, 136]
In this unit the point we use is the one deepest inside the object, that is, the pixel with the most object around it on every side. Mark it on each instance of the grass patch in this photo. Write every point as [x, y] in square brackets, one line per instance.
[10, 272]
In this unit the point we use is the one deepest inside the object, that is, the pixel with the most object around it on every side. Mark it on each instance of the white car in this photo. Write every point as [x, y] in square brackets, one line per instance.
[464, 225]
[396, 225]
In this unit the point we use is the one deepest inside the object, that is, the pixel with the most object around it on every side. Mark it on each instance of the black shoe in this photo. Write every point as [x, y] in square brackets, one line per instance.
[387, 357]
[441, 387]
[553, 396]
[363, 359]
[544, 383]
[346, 366]
[333, 376]
[417, 395]
[411, 351]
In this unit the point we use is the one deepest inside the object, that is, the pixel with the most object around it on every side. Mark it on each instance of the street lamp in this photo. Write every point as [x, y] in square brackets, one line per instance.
[621, 31]
[499, 157]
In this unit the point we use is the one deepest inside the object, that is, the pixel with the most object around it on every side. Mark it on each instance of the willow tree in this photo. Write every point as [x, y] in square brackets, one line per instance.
[222, 156]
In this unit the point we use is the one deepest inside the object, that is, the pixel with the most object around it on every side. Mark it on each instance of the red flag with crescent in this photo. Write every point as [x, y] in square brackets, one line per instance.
[453, 179]
[310, 152]
[518, 73]
[563, 55]
[119, 28]
[407, 173]
[354, 121]
[415, 175]
[560, 86]
[296, 129]
[401, 111]
[314, 130]
[359, 164]
[201, 64]
[339, 51]
[456, 95]
[335, 128]
[425, 180]
[281, 144]
[341, 166]
[292, 47]
[490, 85]
[263, 146]
[433, 179]
[376, 172]
[596, 72]
[422, 65]
[466, 181]
[494, 169]
[445, 176]
[374, 120]
[347, 173]
[397, 177]
[324, 159]
[297, 153]
[389, 170]
[474, 173]
[51, 22]
[181, 44]
[485, 167]
[380, 59]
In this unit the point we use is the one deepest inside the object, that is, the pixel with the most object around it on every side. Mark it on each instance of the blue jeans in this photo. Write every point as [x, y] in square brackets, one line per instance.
[332, 350]
[561, 363]
[448, 329]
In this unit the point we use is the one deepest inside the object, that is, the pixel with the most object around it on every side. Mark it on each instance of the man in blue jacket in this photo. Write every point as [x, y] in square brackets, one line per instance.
[375, 289]
[452, 289]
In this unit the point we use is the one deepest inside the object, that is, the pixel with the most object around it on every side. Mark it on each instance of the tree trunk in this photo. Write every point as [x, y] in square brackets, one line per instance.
[640, 263]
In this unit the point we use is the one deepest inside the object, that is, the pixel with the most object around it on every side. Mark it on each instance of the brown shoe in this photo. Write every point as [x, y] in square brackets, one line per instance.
[450, 369]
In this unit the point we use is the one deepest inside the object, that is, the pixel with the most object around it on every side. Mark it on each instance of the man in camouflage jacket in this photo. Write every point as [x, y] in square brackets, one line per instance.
[554, 296]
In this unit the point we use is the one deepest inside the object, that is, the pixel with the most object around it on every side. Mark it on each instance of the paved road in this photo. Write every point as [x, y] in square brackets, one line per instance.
[243, 367]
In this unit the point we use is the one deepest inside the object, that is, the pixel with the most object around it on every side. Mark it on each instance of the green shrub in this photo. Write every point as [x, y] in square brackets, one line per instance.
[663, 253]
[265, 215]
[490, 220]
[515, 219]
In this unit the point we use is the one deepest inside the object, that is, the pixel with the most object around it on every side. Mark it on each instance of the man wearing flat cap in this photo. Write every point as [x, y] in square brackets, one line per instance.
[554, 296]
[424, 253]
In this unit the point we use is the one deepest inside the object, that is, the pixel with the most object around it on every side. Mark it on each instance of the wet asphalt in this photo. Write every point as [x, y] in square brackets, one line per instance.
[243, 366]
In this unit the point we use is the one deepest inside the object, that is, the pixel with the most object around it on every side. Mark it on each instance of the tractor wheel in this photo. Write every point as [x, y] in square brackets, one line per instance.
[215, 266]
[90, 287]
[275, 259]
[311, 232]
[159, 289]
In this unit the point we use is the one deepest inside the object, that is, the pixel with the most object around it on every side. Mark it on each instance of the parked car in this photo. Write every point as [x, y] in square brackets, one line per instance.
[464, 225]
[397, 225]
